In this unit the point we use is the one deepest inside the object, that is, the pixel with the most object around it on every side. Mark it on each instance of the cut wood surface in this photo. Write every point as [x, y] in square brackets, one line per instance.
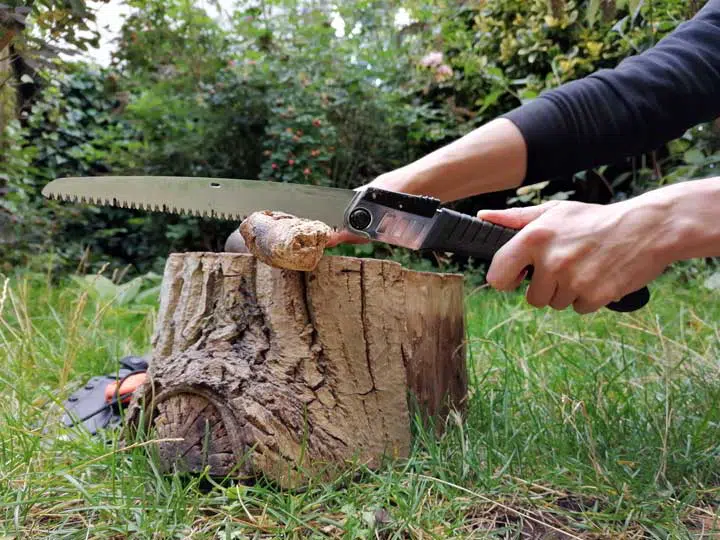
[285, 241]
[260, 370]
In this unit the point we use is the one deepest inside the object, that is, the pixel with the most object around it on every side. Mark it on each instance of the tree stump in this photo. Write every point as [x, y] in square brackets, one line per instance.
[266, 371]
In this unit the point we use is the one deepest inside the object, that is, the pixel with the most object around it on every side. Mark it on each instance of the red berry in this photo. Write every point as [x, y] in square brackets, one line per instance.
[291, 162]
[274, 166]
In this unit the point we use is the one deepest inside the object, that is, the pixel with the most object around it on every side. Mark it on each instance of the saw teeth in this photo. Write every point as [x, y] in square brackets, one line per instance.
[150, 207]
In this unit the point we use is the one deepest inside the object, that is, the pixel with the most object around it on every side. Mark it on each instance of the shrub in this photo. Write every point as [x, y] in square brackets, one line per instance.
[280, 94]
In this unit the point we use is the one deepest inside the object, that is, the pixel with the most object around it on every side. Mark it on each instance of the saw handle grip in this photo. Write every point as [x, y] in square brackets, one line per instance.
[472, 237]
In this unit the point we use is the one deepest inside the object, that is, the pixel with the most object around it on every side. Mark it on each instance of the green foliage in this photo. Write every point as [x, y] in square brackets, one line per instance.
[325, 93]
[502, 53]
[139, 290]
[71, 131]
[72, 21]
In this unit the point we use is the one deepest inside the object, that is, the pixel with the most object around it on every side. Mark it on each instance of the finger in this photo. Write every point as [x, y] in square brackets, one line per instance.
[518, 280]
[584, 306]
[345, 237]
[508, 265]
[599, 296]
[542, 288]
[563, 298]
[515, 218]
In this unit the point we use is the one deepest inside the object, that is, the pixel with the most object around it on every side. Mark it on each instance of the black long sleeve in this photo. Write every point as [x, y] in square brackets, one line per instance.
[645, 101]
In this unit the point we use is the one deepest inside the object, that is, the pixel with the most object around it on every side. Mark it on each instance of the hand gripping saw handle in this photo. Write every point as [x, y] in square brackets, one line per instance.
[418, 222]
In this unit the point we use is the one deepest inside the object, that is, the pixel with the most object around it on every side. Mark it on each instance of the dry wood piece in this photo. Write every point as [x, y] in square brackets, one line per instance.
[235, 243]
[285, 241]
[264, 371]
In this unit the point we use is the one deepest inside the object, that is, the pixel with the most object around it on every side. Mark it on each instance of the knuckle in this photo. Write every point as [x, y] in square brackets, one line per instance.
[583, 306]
[557, 264]
[536, 297]
[539, 235]
[580, 286]
[534, 301]
[494, 279]
[595, 299]
[560, 305]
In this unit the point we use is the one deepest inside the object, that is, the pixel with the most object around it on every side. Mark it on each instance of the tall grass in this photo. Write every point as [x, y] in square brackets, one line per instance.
[606, 426]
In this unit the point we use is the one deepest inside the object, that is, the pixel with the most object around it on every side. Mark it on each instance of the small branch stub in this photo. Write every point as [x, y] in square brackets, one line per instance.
[285, 241]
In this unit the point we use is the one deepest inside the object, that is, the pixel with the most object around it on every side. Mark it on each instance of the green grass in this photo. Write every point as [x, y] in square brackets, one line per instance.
[605, 426]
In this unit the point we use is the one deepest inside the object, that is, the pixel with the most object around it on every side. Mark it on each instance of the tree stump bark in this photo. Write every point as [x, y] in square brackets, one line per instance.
[266, 371]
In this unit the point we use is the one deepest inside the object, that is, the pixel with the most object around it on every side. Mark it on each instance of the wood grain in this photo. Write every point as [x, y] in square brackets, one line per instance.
[266, 371]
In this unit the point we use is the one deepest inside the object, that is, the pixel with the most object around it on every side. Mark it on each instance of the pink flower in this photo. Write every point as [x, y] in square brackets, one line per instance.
[291, 162]
[317, 123]
[432, 59]
[315, 153]
[274, 166]
[306, 172]
[443, 72]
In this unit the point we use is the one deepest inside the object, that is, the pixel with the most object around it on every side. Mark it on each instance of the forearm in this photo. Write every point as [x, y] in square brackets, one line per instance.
[490, 158]
[692, 227]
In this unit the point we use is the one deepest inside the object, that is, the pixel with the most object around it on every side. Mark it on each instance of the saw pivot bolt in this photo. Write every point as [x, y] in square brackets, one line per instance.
[360, 219]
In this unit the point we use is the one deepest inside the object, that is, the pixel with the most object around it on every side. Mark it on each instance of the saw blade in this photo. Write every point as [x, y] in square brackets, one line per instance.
[218, 198]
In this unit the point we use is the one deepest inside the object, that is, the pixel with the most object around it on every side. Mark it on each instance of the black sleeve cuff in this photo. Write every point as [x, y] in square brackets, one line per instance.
[542, 126]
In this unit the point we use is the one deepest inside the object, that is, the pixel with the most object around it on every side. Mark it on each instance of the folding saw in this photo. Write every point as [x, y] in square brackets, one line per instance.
[414, 222]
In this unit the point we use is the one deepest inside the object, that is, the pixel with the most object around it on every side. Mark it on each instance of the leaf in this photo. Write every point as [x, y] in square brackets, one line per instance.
[527, 95]
[129, 291]
[490, 99]
[369, 518]
[495, 73]
[561, 196]
[105, 290]
[151, 294]
[532, 188]
[713, 282]
[592, 11]
[99, 285]
[634, 7]
[694, 157]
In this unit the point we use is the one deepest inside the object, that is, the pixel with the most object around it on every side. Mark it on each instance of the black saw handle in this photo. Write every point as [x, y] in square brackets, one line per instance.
[466, 235]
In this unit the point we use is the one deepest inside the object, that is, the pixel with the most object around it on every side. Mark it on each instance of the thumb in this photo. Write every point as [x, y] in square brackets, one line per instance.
[515, 218]
[344, 237]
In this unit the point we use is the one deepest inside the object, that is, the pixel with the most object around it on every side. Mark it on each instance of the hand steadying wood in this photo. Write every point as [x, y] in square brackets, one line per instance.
[285, 241]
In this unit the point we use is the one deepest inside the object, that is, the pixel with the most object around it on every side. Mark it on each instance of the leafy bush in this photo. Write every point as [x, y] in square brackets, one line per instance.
[72, 130]
[502, 53]
[279, 93]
